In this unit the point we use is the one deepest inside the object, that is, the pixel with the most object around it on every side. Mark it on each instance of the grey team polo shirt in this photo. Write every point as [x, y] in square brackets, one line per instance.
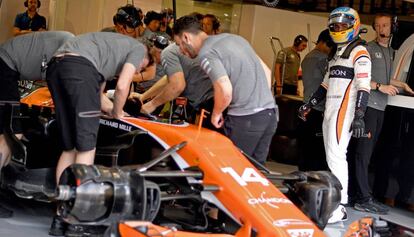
[314, 68]
[198, 86]
[381, 61]
[24, 53]
[231, 55]
[107, 51]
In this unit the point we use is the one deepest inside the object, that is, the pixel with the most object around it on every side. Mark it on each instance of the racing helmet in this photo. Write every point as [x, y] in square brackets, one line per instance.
[349, 18]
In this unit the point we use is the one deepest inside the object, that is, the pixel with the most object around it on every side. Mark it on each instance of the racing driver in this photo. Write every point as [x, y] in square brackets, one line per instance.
[346, 87]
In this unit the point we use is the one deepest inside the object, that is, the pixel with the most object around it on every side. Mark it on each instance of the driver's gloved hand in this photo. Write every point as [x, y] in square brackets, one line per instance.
[304, 110]
[358, 124]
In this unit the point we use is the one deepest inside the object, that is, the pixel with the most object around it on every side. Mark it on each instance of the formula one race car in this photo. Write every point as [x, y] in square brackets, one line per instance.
[158, 178]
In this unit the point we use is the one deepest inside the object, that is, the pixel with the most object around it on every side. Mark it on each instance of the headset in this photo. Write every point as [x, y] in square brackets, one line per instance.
[127, 15]
[393, 18]
[26, 4]
[160, 41]
[299, 39]
[215, 21]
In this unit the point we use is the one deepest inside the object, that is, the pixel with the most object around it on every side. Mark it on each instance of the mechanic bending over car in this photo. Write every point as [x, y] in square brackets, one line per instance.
[21, 58]
[241, 83]
[127, 21]
[76, 77]
[184, 78]
[346, 87]
[77, 94]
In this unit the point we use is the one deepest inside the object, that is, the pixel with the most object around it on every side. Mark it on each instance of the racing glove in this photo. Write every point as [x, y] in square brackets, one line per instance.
[315, 99]
[358, 124]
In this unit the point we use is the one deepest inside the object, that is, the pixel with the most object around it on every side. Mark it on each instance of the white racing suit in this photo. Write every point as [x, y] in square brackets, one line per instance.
[344, 79]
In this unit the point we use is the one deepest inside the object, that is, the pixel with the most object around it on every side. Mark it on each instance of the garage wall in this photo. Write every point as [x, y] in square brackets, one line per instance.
[80, 16]
[76, 16]
[258, 23]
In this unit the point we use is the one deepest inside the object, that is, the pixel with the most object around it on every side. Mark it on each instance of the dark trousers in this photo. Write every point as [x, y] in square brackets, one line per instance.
[9, 94]
[74, 84]
[252, 133]
[396, 155]
[359, 155]
[310, 140]
[289, 89]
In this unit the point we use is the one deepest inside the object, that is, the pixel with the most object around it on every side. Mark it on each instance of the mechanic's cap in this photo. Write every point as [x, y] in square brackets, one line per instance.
[160, 41]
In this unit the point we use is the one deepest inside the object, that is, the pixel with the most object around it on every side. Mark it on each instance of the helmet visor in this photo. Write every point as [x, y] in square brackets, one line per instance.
[340, 21]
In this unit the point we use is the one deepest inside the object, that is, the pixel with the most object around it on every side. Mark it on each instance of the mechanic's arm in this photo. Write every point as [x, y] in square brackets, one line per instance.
[386, 89]
[106, 103]
[402, 85]
[17, 31]
[299, 90]
[155, 89]
[176, 85]
[278, 80]
[223, 94]
[146, 75]
[122, 89]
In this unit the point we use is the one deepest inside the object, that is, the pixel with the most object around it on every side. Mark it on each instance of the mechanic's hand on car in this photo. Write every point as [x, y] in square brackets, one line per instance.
[135, 96]
[358, 125]
[148, 108]
[303, 111]
[217, 120]
[120, 115]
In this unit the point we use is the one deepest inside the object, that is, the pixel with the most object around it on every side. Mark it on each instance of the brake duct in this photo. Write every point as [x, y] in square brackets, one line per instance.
[97, 195]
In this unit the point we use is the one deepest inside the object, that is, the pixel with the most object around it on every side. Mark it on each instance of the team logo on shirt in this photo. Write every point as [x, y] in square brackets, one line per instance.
[362, 75]
[378, 55]
[341, 72]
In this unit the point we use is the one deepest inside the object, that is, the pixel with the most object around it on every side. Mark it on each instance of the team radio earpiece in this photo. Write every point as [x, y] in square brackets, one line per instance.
[26, 4]
[394, 22]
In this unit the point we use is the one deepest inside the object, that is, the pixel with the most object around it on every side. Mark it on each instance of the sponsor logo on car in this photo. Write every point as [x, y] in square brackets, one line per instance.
[114, 124]
[300, 232]
[289, 222]
[270, 201]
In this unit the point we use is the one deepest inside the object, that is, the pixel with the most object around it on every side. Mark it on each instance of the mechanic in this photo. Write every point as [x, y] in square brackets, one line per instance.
[78, 94]
[21, 58]
[241, 83]
[346, 88]
[151, 75]
[289, 58]
[76, 78]
[152, 22]
[211, 24]
[126, 21]
[382, 86]
[314, 67]
[29, 20]
[184, 78]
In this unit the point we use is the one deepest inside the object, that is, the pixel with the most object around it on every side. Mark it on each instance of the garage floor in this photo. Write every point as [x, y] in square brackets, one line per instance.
[33, 218]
